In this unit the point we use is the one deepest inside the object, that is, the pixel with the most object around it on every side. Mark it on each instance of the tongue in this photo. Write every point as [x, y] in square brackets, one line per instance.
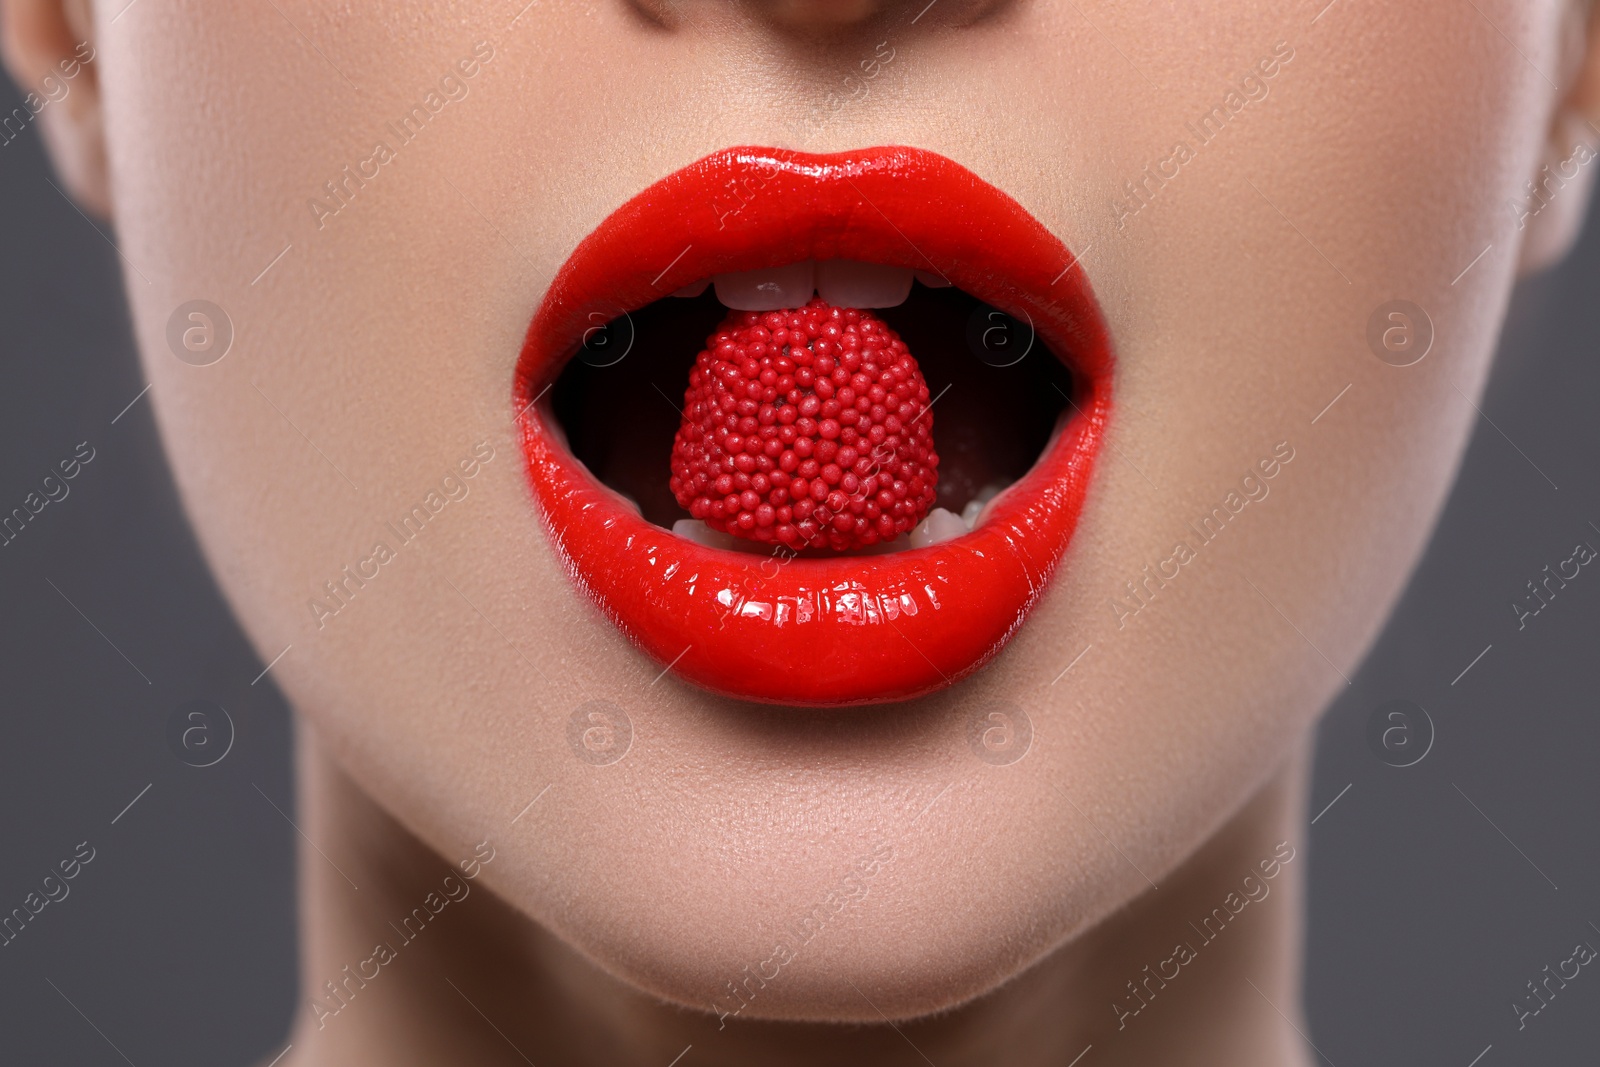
[808, 428]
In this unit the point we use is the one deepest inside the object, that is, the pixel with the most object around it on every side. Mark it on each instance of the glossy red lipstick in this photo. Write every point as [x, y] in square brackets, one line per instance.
[800, 630]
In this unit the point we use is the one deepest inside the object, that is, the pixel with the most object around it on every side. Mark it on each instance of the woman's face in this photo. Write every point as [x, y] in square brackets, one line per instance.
[1249, 187]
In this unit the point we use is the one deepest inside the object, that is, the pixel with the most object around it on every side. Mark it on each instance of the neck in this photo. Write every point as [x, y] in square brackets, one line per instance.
[1204, 969]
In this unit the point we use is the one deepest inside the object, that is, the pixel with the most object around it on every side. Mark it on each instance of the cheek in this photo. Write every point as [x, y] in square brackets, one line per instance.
[372, 353]
[1239, 294]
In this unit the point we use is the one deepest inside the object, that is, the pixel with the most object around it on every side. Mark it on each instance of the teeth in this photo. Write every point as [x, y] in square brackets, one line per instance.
[694, 290]
[697, 531]
[932, 280]
[701, 534]
[980, 503]
[938, 527]
[843, 282]
[848, 283]
[767, 290]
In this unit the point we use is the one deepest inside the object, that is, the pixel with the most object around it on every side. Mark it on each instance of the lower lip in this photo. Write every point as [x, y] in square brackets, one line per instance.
[809, 631]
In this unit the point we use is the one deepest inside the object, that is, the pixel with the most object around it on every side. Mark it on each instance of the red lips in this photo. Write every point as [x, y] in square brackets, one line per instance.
[808, 631]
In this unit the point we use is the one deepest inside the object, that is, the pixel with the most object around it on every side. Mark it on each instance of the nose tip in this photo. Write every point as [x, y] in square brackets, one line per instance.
[818, 15]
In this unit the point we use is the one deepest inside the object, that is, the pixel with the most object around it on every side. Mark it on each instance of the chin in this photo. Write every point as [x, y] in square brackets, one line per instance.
[901, 951]
[829, 901]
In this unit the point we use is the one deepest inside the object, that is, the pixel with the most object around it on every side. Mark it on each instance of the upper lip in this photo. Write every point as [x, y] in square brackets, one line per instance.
[846, 630]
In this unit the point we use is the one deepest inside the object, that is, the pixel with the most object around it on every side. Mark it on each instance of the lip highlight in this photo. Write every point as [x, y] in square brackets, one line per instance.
[800, 630]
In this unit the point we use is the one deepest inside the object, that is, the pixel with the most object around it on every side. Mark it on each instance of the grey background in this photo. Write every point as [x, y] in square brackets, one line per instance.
[176, 943]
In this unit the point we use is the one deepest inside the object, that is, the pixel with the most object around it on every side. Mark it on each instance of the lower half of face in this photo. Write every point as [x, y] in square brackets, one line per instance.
[1274, 226]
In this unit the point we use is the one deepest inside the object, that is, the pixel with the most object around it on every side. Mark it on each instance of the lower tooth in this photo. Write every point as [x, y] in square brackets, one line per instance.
[701, 534]
[976, 506]
[938, 527]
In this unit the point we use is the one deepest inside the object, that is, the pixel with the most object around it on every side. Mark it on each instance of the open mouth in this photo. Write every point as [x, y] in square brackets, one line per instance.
[815, 429]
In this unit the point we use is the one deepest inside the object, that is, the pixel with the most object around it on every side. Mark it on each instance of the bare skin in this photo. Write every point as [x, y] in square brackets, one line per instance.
[1387, 157]
[488, 986]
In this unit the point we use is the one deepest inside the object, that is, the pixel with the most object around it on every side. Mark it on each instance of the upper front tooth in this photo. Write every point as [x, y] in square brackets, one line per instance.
[851, 284]
[693, 290]
[932, 279]
[767, 290]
